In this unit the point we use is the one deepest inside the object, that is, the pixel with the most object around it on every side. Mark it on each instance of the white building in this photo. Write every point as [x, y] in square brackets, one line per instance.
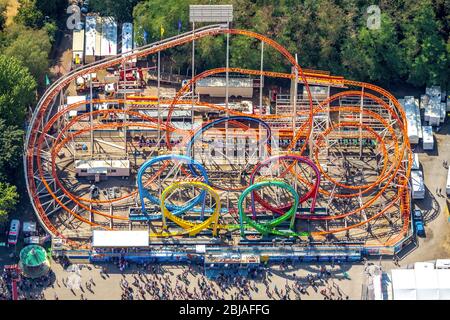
[418, 186]
[216, 87]
[102, 168]
[109, 37]
[428, 138]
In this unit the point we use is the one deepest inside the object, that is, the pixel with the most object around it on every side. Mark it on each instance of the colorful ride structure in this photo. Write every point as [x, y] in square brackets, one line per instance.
[343, 170]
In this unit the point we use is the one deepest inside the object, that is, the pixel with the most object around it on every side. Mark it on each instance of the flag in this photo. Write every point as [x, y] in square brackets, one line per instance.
[162, 31]
[47, 80]
[179, 25]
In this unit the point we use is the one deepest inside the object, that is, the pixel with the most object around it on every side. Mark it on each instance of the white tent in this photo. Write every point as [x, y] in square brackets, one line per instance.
[404, 284]
[443, 276]
[426, 284]
[421, 283]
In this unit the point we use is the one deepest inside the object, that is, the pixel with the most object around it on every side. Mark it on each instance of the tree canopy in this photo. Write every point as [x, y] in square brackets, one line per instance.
[412, 44]
[31, 47]
[121, 10]
[11, 144]
[17, 90]
[8, 200]
[28, 15]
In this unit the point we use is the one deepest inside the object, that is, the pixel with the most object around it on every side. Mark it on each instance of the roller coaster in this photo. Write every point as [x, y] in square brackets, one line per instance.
[332, 168]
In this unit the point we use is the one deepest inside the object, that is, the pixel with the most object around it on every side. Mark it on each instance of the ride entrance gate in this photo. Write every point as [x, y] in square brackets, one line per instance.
[231, 264]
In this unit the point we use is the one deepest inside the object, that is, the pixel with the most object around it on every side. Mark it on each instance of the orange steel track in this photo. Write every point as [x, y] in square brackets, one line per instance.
[398, 172]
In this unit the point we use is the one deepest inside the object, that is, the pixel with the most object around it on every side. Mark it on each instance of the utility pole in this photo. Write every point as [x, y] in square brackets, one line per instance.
[91, 116]
[159, 92]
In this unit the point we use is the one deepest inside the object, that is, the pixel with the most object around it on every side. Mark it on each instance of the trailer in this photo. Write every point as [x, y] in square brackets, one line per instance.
[416, 163]
[78, 47]
[447, 188]
[418, 186]
[412, 119]
[102, 168]
[433, 112]
[443, 112]
[428, 139]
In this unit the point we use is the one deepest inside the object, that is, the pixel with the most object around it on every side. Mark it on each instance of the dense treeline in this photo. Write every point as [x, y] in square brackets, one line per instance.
[25, 45]
[412, 46]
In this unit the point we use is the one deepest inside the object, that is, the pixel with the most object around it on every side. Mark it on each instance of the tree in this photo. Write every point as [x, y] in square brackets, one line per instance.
[52, 8]
[8, 200]
[121, 10]
[31, 47]
[11, 146]
[374, 55]
[17, 90]
[3, 8]
[426, 53]
[29, 15]
[151, 15]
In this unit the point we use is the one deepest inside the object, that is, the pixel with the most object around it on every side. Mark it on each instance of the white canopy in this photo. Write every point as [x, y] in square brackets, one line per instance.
[423, 283]
[443, 276]
[120, 239]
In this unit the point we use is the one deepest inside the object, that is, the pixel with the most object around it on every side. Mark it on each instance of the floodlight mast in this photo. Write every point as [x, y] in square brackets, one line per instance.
[212, 14]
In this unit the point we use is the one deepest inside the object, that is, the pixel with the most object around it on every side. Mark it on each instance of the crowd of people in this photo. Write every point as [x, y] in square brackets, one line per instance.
[5, 289]
[27, 288]
[156, 282]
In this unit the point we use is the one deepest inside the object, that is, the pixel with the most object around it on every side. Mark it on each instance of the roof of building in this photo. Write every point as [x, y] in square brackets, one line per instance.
[98, 164]
[221, 82]
[120, 239]
[33, 256]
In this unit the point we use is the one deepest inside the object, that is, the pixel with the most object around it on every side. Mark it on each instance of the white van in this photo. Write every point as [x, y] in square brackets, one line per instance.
[13, 234]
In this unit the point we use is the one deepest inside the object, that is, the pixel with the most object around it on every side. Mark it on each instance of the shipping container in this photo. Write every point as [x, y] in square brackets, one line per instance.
[418, 186]
[428, 139]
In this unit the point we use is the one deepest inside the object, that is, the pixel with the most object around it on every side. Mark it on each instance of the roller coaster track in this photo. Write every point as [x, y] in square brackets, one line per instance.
[400, 160]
